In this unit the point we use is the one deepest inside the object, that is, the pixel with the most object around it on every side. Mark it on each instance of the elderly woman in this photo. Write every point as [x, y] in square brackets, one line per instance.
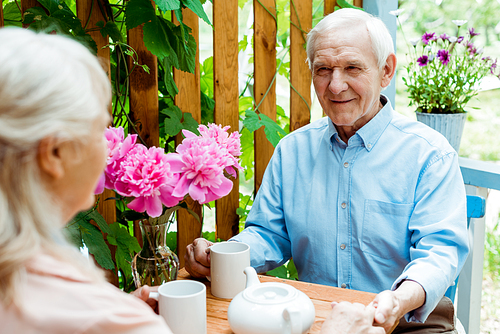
[54, 97]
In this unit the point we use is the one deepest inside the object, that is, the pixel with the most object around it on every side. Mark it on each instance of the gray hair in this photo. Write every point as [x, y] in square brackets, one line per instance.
[49, 86]
[380, 37]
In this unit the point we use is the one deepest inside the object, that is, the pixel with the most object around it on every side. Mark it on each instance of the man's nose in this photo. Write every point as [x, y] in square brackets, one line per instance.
[337, 82]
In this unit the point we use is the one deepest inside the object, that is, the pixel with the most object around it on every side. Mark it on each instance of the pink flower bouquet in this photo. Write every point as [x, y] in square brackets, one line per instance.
[200, 168]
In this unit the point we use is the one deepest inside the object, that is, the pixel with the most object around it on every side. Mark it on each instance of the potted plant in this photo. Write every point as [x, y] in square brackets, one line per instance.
[442, 76]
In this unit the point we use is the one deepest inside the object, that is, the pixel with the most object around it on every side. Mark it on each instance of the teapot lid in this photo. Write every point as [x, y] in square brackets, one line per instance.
[270, 293]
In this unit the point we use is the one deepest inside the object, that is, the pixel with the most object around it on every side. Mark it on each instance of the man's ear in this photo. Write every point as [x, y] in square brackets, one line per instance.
[49, 157]
[389, 70]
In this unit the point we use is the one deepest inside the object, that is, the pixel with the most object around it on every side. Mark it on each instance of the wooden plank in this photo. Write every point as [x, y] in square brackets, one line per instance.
[358, 3]
[300, 74]
[188, 100]
[1, 15]
[480, 173]
[329, 6]
[264, 73]
[85, 11]
[143, 99]
[225, 21]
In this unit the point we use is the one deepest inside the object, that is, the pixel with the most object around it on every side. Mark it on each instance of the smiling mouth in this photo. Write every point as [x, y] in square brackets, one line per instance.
[341, 101]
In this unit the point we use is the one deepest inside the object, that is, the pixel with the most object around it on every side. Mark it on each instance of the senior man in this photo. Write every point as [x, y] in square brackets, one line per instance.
[365, 198]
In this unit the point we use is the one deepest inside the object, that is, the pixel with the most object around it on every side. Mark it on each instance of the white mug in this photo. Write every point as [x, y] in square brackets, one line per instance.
[183, 305]
[227, 262]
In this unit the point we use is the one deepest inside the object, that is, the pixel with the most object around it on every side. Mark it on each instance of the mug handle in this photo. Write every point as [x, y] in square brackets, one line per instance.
[154, 295]
[293, 315]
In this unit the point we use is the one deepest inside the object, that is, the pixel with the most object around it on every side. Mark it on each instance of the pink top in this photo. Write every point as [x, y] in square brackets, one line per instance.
[57, 298]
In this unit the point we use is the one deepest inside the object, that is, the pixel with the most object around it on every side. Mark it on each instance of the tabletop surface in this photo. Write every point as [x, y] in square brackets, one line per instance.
[321, 296]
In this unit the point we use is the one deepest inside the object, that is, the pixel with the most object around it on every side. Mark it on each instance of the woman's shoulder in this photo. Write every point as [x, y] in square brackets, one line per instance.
[64, 302]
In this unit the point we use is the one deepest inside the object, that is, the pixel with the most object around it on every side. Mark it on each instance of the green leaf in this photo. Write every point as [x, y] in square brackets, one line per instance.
[12, 16]
[197, 8]
[156, 38]
[100, 221]
[292, 270]
[245, 103]
[94, 240]
[189, 123]
[51, 5]
[241, 3]
[166, 5]
[111, 29]
[272, 130]
[126, 246]
[210, 236]
[73, 234]
[172, 241]
[251, 121]
[247, 157]
[280, 272]
[168, 80]
[172, 124]
[207, 76]
[138, 12]
[207, 108]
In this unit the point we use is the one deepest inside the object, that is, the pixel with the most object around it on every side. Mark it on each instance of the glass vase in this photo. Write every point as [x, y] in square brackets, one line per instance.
[155, 263]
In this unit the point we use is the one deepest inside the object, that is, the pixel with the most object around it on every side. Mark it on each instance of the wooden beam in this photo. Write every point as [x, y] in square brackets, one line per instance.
[1, 14]
[225, 21]
[300, 75]
[86, 11]
[329, 6]
[264, 75]
[188, 100]
[358, 3]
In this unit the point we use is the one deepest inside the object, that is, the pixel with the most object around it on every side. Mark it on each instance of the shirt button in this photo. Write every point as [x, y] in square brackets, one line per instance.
[342, 246]
[343, 286]
[343, 205]
[369, 145]
[346, 164]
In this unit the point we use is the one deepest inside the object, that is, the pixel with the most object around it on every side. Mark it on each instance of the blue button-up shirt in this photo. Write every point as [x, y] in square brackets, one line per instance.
[388, 205]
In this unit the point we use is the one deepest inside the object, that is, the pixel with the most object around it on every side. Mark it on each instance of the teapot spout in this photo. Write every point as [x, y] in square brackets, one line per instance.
[252, 278]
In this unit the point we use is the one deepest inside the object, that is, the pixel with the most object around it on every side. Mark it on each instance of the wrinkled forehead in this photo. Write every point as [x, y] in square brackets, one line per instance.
[343, 41]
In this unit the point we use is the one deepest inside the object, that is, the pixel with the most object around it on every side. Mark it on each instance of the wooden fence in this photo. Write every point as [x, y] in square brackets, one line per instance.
[144, 89]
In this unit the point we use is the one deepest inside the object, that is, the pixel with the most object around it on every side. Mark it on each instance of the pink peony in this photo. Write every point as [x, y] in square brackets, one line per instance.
[202, 161]
[118, 147]
[146, 175]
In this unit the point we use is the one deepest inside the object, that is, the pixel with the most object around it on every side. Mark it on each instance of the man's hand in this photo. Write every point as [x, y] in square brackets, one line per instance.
[393, 305]
[143, 294]
[347, 318]
[197, 258]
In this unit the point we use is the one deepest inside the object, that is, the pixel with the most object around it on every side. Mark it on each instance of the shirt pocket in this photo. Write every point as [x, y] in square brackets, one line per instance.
[385, 231]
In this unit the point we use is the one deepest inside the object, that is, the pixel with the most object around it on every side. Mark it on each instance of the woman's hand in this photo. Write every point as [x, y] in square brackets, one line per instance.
[143, 294]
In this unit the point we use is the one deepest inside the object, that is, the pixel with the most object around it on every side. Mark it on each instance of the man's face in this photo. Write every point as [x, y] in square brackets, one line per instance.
[346, 76]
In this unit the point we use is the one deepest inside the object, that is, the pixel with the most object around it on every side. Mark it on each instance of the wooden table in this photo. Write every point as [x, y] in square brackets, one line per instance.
[321, 296]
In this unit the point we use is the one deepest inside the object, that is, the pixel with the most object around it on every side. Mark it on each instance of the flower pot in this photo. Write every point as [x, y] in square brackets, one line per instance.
[155, 263]
[449, 125]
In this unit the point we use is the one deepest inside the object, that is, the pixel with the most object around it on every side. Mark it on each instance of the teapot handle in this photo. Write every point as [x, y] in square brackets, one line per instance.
[292, 315]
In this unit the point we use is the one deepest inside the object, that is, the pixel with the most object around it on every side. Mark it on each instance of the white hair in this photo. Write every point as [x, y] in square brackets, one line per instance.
[382, 43]
[49, 86]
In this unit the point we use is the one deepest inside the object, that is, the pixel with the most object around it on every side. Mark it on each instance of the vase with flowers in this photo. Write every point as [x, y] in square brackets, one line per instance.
[155, 184]
[443, 74]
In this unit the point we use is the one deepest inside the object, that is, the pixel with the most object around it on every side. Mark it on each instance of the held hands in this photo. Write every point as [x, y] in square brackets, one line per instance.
[347, 318]
[387, 309]
[197, 258]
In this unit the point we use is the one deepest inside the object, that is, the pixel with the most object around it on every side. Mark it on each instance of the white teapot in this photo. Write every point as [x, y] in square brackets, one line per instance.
[270, 308]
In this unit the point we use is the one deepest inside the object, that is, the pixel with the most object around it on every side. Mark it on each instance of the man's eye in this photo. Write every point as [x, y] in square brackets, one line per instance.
[352, 68]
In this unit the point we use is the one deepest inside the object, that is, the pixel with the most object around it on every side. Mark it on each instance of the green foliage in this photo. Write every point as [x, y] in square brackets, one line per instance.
[492, 252]
[345, 4]
[287, 271]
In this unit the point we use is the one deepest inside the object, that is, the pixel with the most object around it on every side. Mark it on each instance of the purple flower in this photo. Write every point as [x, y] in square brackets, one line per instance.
[428, 37]
[444, 37]
[423, 61]
[460, 39]
[444, 57]
[493, 67]
[472, 32]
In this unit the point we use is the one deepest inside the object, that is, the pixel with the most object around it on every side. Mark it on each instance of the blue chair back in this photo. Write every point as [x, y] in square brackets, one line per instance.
[476, 206]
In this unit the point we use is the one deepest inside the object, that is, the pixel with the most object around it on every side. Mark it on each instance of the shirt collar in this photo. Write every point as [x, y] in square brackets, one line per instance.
[371, 131]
